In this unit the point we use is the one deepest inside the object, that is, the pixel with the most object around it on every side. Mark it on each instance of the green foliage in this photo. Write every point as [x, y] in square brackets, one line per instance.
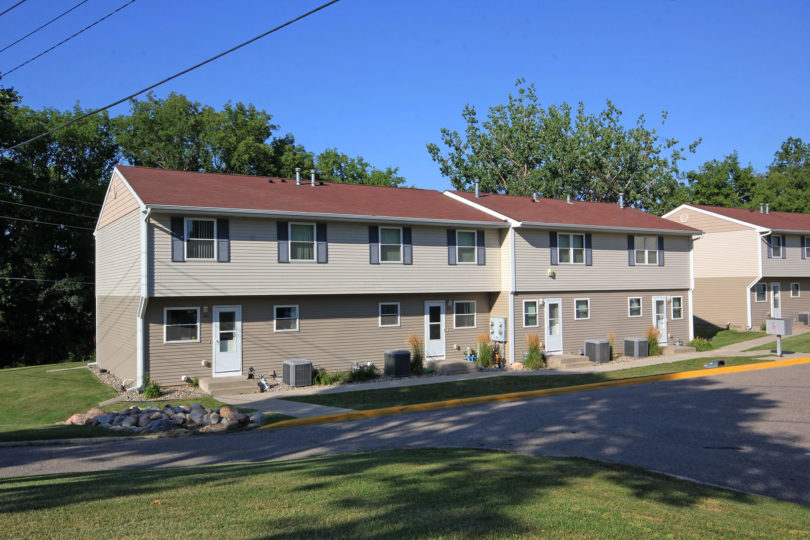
[337, 167]
[152, 390]
[700, 344]
[485, 356]
[535, 359]
[195, 382]
[652, 335]
[364, 372]
[523, 148]
[417, 354]
[322, 377]
[720, 183]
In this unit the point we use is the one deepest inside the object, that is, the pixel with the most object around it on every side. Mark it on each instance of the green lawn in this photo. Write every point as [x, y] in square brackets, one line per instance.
[390, 397]
[800, 343]
[721, 338]
[431, 493]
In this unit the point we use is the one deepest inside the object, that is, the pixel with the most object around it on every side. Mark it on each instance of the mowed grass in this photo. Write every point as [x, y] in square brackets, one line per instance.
[430, 493]
[800, 343]
[722, 338]
[391, 397]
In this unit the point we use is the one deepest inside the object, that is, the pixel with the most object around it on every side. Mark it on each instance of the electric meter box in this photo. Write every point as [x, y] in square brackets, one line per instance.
[779, 326]
[497, 329]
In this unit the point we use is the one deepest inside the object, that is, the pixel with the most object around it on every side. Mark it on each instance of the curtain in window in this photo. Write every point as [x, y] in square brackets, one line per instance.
[302, 242]
[200, 239]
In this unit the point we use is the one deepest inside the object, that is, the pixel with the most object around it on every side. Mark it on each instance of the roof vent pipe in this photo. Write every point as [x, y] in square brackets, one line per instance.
[312, 172]
[621, 200]
[477, 195]
[568, 199]
[298, 176]
[767, 208]
[761, 208]
[534, 197]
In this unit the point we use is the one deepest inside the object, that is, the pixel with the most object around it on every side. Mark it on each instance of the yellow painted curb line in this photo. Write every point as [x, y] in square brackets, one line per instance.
[512, 396]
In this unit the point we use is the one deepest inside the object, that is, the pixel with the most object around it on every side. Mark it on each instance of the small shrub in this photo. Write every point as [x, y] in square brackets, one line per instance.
[364, 372]
[701, 344]
[322, 377]
[416, 346]
[763, 327]
[152, 390]
[535, 359]
[652, 336]
[485, 356]
[612, 340]
[195, 382]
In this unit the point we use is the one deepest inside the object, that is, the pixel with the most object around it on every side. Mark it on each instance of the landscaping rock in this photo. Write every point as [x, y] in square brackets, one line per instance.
[178, 419]
[214, 418]
[130, 421]
[77, 419]
[156, 416]
[228, 412]
[92, 421]
[95, 411]
[195, 418]
[143, 420]
[258, 418]
[164, 424]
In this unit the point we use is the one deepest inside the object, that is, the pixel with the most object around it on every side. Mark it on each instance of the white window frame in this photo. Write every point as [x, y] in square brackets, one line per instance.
[536, 313]
[570, 249]
[314, 242]
[186, 239]
[646, 252]
[798, 290]
[640, 307]
[380, 314]
[576, 318]
[672, 308]
[764, 287]
[381, 245]
[165, 325]
[297, 318]
[807, 247]
[474, 247]
[774, 238]
[474, 313]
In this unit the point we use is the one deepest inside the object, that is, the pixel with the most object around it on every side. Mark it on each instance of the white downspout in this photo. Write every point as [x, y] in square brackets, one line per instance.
[692, 287]
[762, 234]
[512, 287]
[142, 304]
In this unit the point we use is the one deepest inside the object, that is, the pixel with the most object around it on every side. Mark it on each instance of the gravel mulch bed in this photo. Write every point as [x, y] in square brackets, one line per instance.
[169, 392]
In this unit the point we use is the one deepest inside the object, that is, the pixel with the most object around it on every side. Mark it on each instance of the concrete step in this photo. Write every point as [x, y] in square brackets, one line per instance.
[568, 361]
[452, 367]
[229, 385]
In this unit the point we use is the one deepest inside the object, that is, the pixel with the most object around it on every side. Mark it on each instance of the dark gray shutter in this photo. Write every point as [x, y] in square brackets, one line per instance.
[660, 251]
[552, 244]
[784, 247]
[804, 247]
[769, 248]
[588, 255]
[407, 246]
[283, 237]
[223, 241]
[482, 249]
[178, 243]
[451, 246]
[631, 250]
[321, 243]
[373, 244]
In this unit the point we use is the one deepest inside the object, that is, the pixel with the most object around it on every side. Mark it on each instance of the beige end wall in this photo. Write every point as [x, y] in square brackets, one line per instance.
[721, 301]
[116, 335]
[790, 306]
[609, 313]
[333, 332]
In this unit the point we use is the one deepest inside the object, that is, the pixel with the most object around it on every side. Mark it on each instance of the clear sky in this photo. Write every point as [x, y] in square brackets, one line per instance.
[380, 78]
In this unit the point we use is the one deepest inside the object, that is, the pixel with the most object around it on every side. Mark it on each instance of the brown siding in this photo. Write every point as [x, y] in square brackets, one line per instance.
[720, 301]
[119, 203]
[790, 306]
[608, 314]
[704, 222]
[333, 332]
[116, 335]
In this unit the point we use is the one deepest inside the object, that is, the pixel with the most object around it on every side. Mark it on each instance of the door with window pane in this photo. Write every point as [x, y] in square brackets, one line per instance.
[776, 300]
[434, 330]
[227, 338]
[660, 317]
[553, 316]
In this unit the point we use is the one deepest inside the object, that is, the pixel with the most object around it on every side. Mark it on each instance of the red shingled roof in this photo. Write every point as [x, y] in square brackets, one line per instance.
[161, 187]
[780, 221]
[557, 211]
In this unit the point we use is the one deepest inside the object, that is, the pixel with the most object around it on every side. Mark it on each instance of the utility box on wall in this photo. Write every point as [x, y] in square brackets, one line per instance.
[779, 326]
[497, 329]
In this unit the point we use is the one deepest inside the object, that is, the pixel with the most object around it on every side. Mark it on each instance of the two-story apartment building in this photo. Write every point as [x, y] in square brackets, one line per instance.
[749, 264]
[208, 274]
[574, 270]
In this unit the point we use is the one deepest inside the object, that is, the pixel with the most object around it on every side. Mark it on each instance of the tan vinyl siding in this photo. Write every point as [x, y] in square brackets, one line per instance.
[118, 252]
[720, 301]
[608, 313]
[610, 270]
[333, 332]
[790, 306]
[506, 259]
[791, 265]
[116, 335]
[119, 203]
[705, 222]
[727, 254]
[254, 268]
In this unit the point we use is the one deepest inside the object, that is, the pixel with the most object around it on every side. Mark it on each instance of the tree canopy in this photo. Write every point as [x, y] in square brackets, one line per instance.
[523, 148]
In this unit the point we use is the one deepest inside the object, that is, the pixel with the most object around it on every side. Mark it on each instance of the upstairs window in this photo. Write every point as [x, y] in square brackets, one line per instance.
[465, 247]
[302, 241]
[776, 246]
[760, 293]
[806, 247]
[390, 244]
[571, 248]
[646, 250]
[200, 235]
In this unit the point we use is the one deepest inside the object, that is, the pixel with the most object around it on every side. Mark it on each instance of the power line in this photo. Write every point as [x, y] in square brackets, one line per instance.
[31, 33]
[46, 223]
[48, 209]
[46, 193]
[67, 39]
[12, 7]
[48, 280]
[167, 79]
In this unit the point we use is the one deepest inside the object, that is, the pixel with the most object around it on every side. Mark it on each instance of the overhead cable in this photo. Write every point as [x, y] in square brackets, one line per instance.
[46, 223]
[12, 7]
[32, 32]
[167, 79]
[48, 209]
[46, 51]
[12, 186]
[48, 280]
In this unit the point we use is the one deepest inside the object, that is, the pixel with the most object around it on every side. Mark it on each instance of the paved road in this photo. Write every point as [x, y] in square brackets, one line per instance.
[749, 431]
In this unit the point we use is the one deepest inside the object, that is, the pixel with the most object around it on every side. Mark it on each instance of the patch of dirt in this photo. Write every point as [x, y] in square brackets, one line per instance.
[168, 392]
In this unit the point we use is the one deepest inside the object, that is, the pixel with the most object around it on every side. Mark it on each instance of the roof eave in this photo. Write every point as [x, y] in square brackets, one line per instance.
[603, 228]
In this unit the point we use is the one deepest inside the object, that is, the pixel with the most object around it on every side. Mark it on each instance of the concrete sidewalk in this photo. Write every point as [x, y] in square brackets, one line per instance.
[273, 402]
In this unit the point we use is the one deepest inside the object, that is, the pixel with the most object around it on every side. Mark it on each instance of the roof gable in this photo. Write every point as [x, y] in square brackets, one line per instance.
[777, 221]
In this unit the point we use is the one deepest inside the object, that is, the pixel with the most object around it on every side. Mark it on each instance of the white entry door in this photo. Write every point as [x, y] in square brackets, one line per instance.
[227, 338]
[776, 300]
[553, 318]
[434, 330]
[660, 317]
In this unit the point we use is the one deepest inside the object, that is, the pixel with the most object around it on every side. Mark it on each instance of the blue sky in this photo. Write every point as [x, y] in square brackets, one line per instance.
[381, 78]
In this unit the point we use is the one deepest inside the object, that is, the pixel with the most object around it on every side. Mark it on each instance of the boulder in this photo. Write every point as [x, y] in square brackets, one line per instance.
[198, 407]
[91, 421]
[134, 410]
[130, 421]
[214, 418]
[95, 411]
[185, 408]
[118, 419]
[258, 418]
[178, 419]
[195, 418]
[163, 424]
[157, 415]
[143, 420]
[76, 419]
[228, 412]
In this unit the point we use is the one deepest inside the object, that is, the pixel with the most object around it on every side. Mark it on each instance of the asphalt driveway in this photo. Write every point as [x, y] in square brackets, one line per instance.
[748, 431]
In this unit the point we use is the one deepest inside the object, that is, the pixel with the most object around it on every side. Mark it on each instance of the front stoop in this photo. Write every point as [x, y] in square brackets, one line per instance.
[229, 385]
[568, 361]
[452, 367]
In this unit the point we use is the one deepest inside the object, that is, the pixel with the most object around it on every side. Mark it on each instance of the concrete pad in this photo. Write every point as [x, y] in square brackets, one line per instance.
[280, 406]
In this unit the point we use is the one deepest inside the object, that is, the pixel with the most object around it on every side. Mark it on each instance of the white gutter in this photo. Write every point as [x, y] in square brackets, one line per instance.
[760, 269]
[237, 212]
[692, 287]
[571, 226]
[512, 288]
